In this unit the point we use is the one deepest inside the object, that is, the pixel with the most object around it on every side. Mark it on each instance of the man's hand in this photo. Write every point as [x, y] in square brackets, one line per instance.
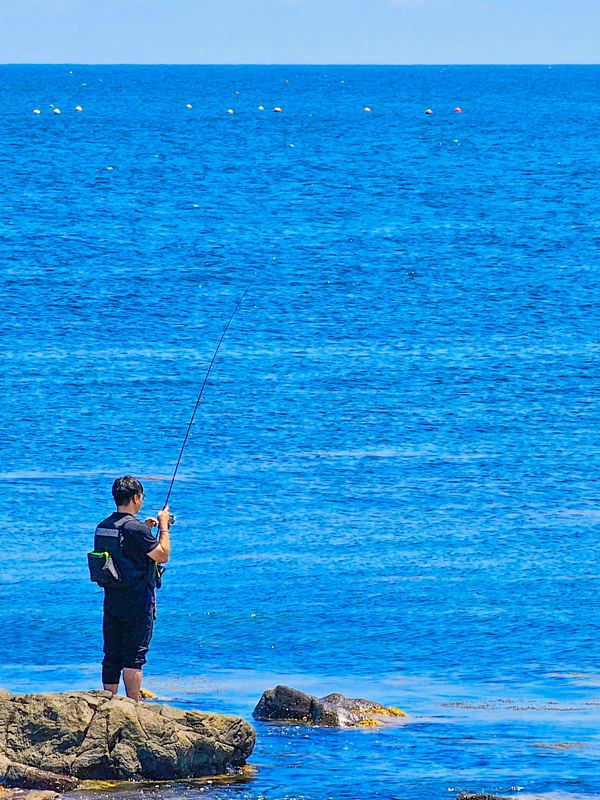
[160, 553]
[163, 518]
[150, 522]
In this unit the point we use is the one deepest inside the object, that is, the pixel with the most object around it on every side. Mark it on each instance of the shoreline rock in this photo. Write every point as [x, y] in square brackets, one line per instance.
[51, 741]
[468, 796]
[33, 794]
[284, 704]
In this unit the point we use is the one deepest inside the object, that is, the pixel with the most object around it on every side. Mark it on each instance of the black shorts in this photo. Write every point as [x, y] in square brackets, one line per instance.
[127, 629]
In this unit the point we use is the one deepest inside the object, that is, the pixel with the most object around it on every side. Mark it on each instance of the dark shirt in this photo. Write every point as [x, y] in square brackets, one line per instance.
[138, 541]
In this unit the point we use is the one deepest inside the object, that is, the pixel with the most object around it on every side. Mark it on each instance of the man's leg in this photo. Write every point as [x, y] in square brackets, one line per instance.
[111, 664]
[137, 633]
[132, 678]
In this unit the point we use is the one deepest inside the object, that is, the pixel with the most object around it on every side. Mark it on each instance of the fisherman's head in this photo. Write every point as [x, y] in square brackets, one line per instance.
[128, 491]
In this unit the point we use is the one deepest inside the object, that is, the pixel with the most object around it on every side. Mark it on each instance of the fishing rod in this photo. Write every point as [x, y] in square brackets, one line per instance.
[202, 389]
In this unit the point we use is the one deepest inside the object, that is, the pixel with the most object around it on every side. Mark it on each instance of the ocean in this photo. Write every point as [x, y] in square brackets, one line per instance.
[391, 487]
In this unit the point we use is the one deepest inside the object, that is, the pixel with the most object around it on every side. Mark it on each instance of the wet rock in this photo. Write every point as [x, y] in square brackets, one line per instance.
[50, 741]
[466, 796]
[290, 705]
[34, 794]
[19, 794]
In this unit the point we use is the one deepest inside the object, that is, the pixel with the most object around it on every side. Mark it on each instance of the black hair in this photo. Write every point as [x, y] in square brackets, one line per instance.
[124, 489]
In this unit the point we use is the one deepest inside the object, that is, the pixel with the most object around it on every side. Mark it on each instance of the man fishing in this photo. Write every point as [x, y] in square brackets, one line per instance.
[125, 563]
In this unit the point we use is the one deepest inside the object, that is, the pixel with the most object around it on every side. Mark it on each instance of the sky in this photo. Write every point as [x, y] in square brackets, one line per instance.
[300, 31]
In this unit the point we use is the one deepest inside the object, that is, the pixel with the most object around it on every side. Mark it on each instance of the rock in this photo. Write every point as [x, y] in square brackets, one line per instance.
[49, 741]
[466, 796]
[34, 794]
[290, 705]
[23, 776]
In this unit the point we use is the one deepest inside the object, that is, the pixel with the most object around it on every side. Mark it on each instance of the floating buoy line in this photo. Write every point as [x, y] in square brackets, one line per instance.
[277, 109]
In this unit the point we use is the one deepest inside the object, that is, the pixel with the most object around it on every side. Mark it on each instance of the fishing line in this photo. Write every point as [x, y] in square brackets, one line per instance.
[202, 389]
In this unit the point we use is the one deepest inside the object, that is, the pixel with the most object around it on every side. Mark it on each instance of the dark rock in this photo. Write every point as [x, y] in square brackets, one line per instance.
[285, 704]
[48, 741]
[290, 705]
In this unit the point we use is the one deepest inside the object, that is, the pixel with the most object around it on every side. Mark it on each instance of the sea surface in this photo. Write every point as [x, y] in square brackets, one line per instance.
[391, 486]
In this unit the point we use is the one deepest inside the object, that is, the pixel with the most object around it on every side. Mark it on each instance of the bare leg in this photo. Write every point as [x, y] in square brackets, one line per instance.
[133, 681]
[111, 687]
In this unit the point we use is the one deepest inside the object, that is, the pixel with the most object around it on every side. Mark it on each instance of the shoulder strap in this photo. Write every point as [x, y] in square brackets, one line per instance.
[119, 523]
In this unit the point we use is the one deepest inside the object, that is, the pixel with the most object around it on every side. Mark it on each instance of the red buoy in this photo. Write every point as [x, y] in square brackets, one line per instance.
[287, 81]
[429, 111]
[457, 109]
[277, 109]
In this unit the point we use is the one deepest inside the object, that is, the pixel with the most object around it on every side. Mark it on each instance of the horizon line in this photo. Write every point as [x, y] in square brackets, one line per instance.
[295, 64]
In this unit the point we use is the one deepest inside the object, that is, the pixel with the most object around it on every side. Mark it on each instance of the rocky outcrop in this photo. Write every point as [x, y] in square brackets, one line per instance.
[290, 705]
[50, 741]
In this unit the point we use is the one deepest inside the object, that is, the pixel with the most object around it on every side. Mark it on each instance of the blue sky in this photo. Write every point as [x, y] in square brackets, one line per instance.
[300, 31]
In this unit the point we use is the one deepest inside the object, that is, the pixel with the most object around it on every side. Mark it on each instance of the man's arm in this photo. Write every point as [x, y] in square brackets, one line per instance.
[160, 554]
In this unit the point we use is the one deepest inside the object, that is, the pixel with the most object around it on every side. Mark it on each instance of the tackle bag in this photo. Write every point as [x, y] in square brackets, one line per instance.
[103, 570]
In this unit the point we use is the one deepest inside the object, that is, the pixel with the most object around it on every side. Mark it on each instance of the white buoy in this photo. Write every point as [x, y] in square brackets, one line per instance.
[188, 106]
[261, 108]
[57, 110]
[367, 108]
[36, 111]
[230, 110]
[78, 108]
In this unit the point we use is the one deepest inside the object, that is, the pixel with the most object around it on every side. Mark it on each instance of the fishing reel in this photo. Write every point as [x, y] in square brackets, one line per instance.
[172, 519]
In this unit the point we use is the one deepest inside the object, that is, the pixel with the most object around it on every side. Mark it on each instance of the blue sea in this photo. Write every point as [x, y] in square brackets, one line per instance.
[391, 485]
